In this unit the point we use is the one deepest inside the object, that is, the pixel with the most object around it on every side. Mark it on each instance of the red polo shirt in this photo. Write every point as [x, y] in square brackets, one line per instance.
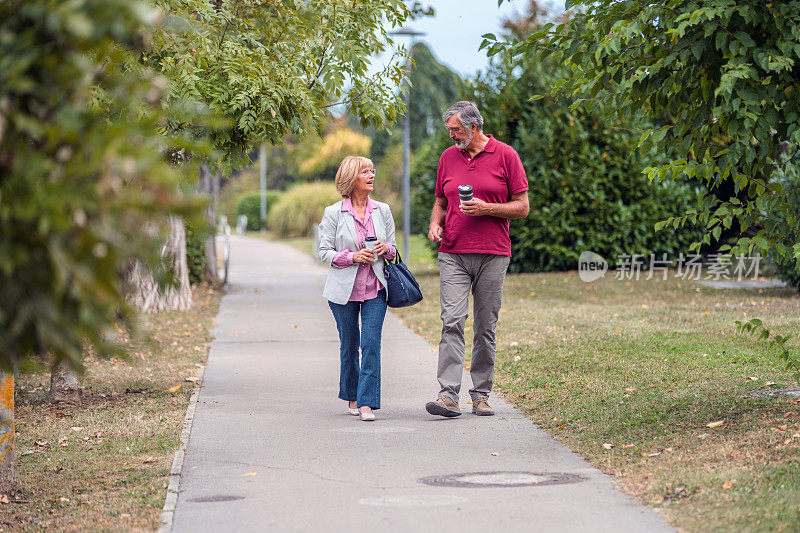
[495, 174]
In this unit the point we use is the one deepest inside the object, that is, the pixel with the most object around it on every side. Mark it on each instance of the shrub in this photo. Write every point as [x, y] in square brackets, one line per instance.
[325, 157]
[196, 253]
[586, 187]
[302, 206]
[249, 204]
[787, 268]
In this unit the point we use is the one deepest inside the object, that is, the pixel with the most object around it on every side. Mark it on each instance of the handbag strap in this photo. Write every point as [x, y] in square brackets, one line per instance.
[397, 259]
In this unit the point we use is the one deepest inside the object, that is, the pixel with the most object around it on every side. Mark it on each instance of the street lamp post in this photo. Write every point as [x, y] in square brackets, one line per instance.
[406, 143]
[263, 183]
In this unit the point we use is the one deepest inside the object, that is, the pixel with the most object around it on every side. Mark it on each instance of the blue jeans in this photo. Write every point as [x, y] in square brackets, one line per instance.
[360, 383]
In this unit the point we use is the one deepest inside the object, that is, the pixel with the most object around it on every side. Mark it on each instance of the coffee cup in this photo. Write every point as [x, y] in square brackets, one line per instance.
[369, 242]
[465, 193]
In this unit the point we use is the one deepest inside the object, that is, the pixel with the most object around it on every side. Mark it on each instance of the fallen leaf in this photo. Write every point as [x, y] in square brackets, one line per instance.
[294, 325]
[3, 498]
[176, 388]
[715, 424]
[63, 499]
[706, 312]
[608, 445]
[769, 383]
[616, 329]
[783, 427]
[629, 446]
[727, 485]
[76, 428]
[192, 380]
[469, 402]
[42, 443]
[751, 378]
[148, 460]
[630, 389]
[248, 474]
[654, 454]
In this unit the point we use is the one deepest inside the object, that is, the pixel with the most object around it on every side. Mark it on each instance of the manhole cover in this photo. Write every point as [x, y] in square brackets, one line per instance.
[375, 428]
[218, 498]
[414, 500]
[772, 393]
[501, 479]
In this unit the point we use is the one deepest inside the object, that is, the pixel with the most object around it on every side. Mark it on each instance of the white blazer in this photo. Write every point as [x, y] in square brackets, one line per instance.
[337, 232]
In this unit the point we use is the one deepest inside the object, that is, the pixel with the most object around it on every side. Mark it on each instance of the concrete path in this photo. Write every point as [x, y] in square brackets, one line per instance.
[273, 449]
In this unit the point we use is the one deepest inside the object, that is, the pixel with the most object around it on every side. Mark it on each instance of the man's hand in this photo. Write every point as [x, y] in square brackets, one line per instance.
[435, 233]
[475, 207]
[365, 255]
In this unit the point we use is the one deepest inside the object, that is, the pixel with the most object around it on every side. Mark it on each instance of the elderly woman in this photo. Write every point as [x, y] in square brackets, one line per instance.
[356, 284]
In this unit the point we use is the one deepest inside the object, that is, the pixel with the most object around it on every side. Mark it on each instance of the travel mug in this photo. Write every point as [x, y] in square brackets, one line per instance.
[465, 193]
[369, 242]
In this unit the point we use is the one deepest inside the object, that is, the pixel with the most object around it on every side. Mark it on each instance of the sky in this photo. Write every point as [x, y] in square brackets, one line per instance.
[454, 33]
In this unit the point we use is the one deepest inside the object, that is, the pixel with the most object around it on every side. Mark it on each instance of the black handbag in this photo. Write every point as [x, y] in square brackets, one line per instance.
[401, 287]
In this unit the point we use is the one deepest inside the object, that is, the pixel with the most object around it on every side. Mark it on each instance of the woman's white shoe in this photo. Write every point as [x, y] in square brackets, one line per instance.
[366, 417]
[353, 412]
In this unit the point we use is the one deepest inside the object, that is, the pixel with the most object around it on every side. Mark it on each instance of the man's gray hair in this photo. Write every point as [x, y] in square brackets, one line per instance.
[467, 114]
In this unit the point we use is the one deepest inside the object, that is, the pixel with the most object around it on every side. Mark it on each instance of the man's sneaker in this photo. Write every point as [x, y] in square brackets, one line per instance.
[480, 406]
[444, 406]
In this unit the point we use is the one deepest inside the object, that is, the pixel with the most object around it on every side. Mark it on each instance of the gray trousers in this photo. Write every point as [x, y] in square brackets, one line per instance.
[485, 274]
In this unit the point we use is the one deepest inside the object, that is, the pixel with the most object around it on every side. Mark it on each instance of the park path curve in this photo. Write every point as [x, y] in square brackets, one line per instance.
[271, 448]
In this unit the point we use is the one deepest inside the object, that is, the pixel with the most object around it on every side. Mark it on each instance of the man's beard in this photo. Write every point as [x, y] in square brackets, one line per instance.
[462, 145]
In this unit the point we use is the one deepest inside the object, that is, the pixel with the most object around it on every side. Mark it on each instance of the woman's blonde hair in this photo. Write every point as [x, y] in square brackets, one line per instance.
[348, 173]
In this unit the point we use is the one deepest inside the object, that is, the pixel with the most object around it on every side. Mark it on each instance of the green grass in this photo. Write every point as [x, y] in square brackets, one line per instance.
[645, 366]
[103, 465]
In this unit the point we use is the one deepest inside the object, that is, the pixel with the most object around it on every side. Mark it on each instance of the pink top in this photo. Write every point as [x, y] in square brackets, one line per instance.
[366, 286]
[495, 174]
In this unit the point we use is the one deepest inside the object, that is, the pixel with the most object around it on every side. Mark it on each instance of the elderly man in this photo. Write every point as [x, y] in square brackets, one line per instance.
[475, 250]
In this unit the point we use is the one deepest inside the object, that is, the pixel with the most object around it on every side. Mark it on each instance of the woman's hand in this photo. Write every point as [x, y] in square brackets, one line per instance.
[382, 248]
[365, 255]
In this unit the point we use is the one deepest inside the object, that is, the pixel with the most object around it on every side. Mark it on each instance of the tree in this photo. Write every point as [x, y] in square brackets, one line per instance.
[726, 73]
[586, 188]
[82, 171]
[271, 68]
[433, 88]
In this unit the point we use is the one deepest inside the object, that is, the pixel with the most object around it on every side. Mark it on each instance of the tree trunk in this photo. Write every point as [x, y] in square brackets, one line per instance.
[8, 466]
[143, 291]
[64, 386]
[208, 183]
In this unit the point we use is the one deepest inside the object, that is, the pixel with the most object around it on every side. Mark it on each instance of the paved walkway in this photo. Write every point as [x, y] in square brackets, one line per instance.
[272, 448]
